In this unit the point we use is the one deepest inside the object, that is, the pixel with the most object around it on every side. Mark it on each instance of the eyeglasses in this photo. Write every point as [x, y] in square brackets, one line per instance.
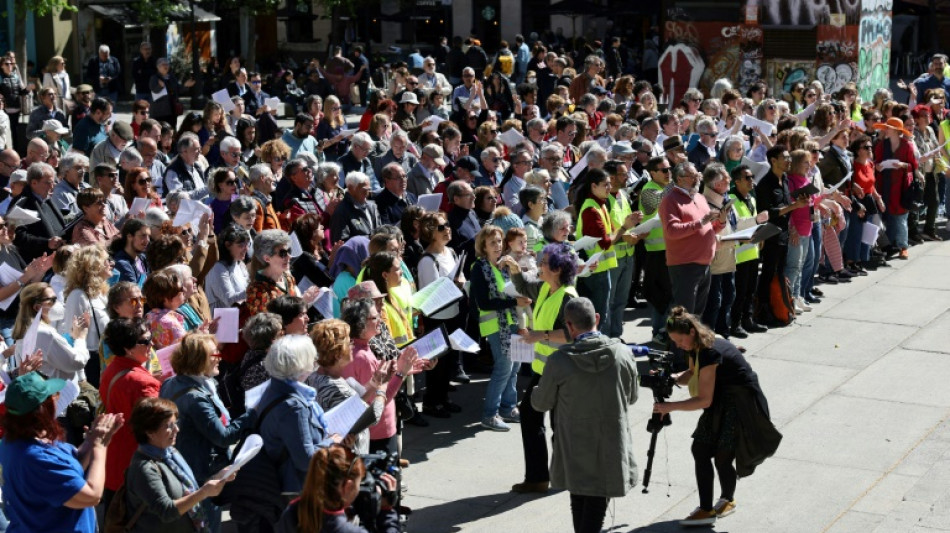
[230, 182]
[711, 134]
[44, 300]
[666, 170]
[815, 151]
[136, 300]
[498, 159]
[145, 112]
[256, 82]
[112, 174]
[770, 107]
[413, 83]
[283, 253]
[145, 181]
[867, 147]
[144, 342]
[442, 227]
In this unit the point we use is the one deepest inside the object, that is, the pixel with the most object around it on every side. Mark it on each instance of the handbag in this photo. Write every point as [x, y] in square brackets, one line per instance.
[913, 196]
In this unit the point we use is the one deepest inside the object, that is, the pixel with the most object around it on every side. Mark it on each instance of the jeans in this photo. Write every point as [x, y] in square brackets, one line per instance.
[896, 229]
[722, 292]
[596, 287]
[854, 249]
[794, 263]
[588, 513]
[501, 392]
[620, 280]
[810, 268]
[690, 284]
[6, 329]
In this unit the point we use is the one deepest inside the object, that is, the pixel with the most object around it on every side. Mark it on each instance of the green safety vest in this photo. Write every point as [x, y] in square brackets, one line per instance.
[942, 162]
[545, 313]
[609, 258]
[619, 210]
[488, 320]
[747, 251]
[399, 324]
[654, 241]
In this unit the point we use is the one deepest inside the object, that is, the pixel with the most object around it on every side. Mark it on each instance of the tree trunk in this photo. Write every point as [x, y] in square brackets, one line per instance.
[19, 47]
[248, 30]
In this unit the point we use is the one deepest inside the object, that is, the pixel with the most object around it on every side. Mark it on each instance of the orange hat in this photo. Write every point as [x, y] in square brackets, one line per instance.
[893, 123]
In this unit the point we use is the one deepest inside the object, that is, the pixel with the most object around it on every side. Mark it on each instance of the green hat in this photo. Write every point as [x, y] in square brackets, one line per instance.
[27, 392]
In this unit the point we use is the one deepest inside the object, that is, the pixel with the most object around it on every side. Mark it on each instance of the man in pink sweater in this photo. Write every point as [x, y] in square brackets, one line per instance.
[689, 229]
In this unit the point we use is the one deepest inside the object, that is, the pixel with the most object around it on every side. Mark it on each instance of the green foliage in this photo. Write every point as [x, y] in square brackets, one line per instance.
[157, 12]
[41, 8]
[255, 7]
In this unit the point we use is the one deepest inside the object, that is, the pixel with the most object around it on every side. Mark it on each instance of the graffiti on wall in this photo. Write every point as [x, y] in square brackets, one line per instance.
[874, 43]
[837, 56]
[731, 51]
[782, 74]
[680, 68]
[808, 12]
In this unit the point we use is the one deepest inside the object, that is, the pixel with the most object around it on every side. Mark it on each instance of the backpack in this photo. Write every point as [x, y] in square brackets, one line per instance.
[118, 509]
[780, 300]
[232, 390]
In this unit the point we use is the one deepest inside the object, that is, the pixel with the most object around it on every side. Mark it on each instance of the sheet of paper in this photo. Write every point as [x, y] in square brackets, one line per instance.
[585, 243]
[22, 217]
[348, 133]
[190, 211]
[272, 102]
[29, 338]
[430, 202]
[869, 233]
[512, 137]
[222, 97]
[139, 205]
[228, 329]
[295, 249]
[8, 275]
[437, 295]
[521, 351]
[462, 342]
[159, 94]
[252, 445]
[834, 188]
[434, 121]
[344, 415]
[66, 396]
[590, 263]
[890, 163]
[165, 359]
[304, 284]
[431, 345]
[646, 227]
[510, 290]
[579, 167]
[324, 302]
[751, 122]
[742, 235]
[453, 274]
[935, 150]
[253, 396]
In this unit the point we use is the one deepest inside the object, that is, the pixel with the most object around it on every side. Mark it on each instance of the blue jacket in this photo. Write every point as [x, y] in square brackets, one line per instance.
[292, 432]
[203, 439]
[125, 264]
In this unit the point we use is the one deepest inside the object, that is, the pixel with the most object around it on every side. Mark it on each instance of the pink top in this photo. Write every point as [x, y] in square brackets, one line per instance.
[361, 368]
[800, 218]
[688, 240]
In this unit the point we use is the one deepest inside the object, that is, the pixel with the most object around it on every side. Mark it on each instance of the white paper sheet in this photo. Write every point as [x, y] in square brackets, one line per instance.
[579, 167]
[348, 133]
[324, 302]
[521, 352]
[228, 328]
[343, 416]
[190, 211]
[437, 295]
[159, 94]
[869, 233]
[251, 447]
[165, 359]
[9, 275]
[834, 188]
[139, 205]
[590, 263]
[646, 227]
[430, 202]
[512, 137]
[934, 151]
[751, 122]
[22, 217]
[304, 284]
[890, 163]
[742, 235]
[462, 342]
[29, 338]
[585, 243]
[295, 249]
[431, 344]
[273, 103]
[510, 290]
[66, 396]
[455, 270]
[253, 396]
[434, 121]
[222, 97]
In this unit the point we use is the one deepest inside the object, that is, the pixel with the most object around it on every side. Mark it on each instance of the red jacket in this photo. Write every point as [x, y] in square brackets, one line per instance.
[134, 385]
[891, 184]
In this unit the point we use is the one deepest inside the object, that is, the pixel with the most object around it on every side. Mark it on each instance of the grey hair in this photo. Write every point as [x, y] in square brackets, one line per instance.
[291, 357]
[488, 153]
[155, 217]
[720, 87]
[326, 169]
[228, 143]
[714, 172]
[242, 205]
[538, 177]
[455, 189]
[731, 140]
[586, 99]
[552, 221]
[38, 170]
[552, 149]
[259, 171]
[186, 140]
[399, 134]
[131, 155]
[692, 93]
[310, 159]
[261, 330]
[596, 154]
[536, 123]
[363, 139]
[356, 314]
[293, 165]
[268, 240]
[104, 48]
[682, 169]
[354, 179]
[183, 272]
[705, 125]
[580, 313]
[626, 130]
[70, 160]
[175, 197]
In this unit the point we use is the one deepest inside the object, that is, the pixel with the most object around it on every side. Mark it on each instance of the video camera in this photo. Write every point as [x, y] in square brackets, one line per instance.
[370, 500]
[661, 381]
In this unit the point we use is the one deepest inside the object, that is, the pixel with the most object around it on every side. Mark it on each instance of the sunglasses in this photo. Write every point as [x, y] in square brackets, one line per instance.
[442, 227]
[145, 181]
[283, 253]
[413, 83]
[230, 182]
[144, 342]
[666, 170]
[137, 300]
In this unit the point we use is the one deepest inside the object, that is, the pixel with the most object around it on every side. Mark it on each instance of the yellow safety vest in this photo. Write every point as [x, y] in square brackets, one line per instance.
[545, 313]
[942, 161]
[609, 258]
[654, 241]
[748, 251]
[399, 324]
[488, 320]
[619, 210]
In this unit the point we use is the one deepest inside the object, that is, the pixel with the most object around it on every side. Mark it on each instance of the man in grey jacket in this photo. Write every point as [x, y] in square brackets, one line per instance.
[592, 382]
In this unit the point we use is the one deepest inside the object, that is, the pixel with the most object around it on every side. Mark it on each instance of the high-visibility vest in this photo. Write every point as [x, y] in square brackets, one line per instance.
[545, 313]
[747, 251]
[488, 320]
[619, 208]
[399, 324]
[608, 259]
[942, 161]
[654, 241]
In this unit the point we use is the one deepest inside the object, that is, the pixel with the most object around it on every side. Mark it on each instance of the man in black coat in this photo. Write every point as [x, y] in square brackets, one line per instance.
[143, 68]
[44, 235]
[104, 73]
[393, 200]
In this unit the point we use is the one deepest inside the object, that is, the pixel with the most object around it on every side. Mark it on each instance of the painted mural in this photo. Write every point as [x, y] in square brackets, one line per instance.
[807, 12]
[781, 74]
[874, 43]
[837, 56]
[732, 51]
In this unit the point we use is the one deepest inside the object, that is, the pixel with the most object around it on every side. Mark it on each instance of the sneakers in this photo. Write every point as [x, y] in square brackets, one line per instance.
[801, 304]
[527, 487]
[699, 518]
[495, 423]
[512, 417]
[724, 507]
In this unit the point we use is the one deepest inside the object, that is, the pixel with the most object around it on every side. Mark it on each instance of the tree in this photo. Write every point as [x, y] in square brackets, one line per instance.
[39, 8]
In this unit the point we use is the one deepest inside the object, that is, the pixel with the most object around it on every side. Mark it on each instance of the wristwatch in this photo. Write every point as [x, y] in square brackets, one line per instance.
[20, 283]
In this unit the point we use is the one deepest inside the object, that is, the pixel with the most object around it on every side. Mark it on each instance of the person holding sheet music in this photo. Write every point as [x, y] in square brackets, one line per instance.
[438, 262]
[272, 248]
[385, 270]
[206, 429]
[31, 273]
[553, 289]
[226, 284]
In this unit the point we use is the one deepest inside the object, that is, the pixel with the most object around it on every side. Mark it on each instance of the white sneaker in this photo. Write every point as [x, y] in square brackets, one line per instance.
[800, 303]
[797, 306]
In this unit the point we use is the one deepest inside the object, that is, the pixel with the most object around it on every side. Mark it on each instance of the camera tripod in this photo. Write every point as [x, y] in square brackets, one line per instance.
[654, 426]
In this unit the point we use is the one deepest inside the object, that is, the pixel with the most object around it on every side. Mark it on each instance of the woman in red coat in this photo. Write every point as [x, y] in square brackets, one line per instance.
[895, 164]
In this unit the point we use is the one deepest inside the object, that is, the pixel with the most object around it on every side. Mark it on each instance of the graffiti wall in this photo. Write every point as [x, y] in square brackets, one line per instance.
[837, 55]
[807, 12]
[874, 43]
[781, 74]
[732, 51]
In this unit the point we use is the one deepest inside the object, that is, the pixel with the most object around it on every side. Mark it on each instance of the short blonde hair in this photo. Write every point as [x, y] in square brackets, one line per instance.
[332, 340]
[83, 269]
[192, 355]
[481, 240]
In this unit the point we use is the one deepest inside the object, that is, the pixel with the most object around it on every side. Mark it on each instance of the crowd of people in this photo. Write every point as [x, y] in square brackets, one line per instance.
[568, 195]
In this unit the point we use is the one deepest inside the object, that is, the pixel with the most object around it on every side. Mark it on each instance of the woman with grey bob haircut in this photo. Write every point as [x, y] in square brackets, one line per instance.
[552, 227]
[291, 358]
[268, 241]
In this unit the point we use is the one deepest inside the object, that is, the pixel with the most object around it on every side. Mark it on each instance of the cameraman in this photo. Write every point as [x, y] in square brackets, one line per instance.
[332, 485]
[723, 385]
